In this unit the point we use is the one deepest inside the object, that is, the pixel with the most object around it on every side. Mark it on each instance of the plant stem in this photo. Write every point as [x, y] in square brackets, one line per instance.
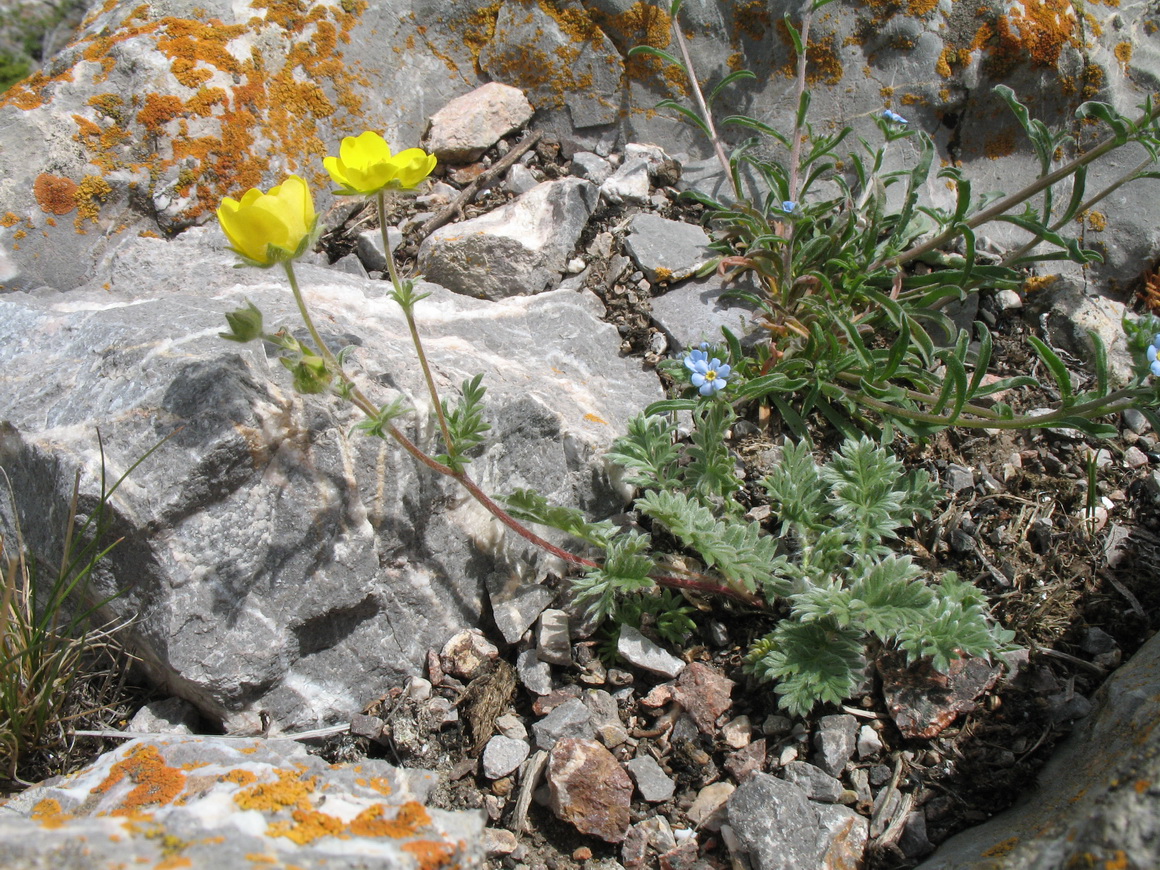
[1009, 202]
[331, 360]
[409, 313]
[795, 153]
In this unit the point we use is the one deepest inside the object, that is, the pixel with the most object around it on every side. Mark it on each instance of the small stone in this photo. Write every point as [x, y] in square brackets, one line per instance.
[546, 704]
[418, 689]
[499, 841]
[589, 789]
[591, 167]
[815, 782]
[503, 786]
[737, 732]
[1008, 300]
[467, 654]
[570, 720]
[535, 674]
[468, 125]
[555, 643]
[922, 701]
[1134, 457]
[959, 478]
[1135, 421]
[618, 678]
[582, 854]
[658, 695]
[869, 743]
[835, 741]
[704, 693]
[1096, 641]
[776, 726]
[370, 727]
[168, 716]
[686, 856]
[634, 849]
[510, 725]
[629, 183]
[520, 179]
[659, 833]
[641, 652]
[708, 809]
[503, 755]
[651, 781]
[743, 762]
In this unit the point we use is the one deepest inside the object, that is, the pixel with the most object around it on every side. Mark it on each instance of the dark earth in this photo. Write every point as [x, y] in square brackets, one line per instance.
[1077, 589]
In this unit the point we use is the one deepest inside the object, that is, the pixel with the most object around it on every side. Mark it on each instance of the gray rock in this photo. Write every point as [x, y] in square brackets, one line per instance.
[214, 802]
[629, 183]
[370, 250]
[570, 719]
[520, 180]
[775, 823]
[695, 310]
[516, 604]
[554, 639]
[171, 715]
[468, 125]
[531, 49]
[654, 785]
[535, 674]
[815, 782]
[271, 561]
[1091, 802]
[666, 250]
[518, 249]
[502, 755]
[590, 167]
[835, 741]
[638, 650]
[869, 743]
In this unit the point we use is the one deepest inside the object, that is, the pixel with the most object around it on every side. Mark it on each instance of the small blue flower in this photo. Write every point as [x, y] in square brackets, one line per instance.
[710, 376]
[789, 206]
[696, 357]
[894, 116]
[1153, 350]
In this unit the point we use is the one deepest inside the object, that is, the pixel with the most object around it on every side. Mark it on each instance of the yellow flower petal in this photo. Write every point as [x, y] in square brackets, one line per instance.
[283, 218]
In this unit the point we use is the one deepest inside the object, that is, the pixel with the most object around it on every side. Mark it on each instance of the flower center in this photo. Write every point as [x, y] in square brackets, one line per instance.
[710, 375]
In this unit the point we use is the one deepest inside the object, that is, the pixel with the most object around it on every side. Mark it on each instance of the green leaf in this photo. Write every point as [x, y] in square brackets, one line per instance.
[647, 451]
[813, 663]
[1059, 372]
[527, 505]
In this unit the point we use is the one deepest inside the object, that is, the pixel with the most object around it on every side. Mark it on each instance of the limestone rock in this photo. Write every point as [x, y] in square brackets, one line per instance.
[520, 248]
[638, 650]
[666, 250]
[271, 561]
[468, 125]
[219, 802]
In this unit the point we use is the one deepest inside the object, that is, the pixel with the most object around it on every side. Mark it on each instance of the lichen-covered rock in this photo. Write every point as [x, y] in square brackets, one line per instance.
[215, 802]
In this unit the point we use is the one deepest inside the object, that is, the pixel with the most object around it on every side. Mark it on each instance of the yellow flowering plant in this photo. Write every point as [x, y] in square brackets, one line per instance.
[365, 166]
[277, 227]
[269, 228]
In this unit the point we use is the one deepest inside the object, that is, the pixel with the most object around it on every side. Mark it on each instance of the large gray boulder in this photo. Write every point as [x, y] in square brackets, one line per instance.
[1095, 803]
[272, 559]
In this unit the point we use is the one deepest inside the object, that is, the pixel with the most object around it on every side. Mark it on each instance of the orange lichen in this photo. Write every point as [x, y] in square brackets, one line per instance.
[159, 110]
[922, 7]
[54, 194]
[1000, 144]
[308, 826]
[753, 18]
[379, 783]
[240, 777]
[9, 219]
[1036, 30]
[431, 855]
[1123, 52]
[289, 792]
[1039, 282]
[823, 63]
[174, 862]
[1002, 848]
[155, 782]
[1097, 221]
[412, 816]
[640, 24]
[49, 814]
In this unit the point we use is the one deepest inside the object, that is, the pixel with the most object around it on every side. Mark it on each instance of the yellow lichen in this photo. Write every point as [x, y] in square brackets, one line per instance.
[1097, 221]
[1123, 52]
[1039, 282]
[411, 817]
[289, 792]
[308, 826]
[90, 194]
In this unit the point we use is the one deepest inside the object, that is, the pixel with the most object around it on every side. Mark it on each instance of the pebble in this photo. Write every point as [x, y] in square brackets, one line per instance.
[835, 742]
[467, 654]
[569, 720]
[815, 782]
[555, 643]
[503, 755]
[589, 789]
[651, 781]
[639, 651]
[869, 743]
[499, 841]
[535, 674]
[737, 732]
[705, 695]
[708, 809]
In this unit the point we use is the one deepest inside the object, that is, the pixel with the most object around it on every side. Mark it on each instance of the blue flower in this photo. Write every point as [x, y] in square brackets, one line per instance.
[789, 206]
[1153, 349]
[710, 376]
[894, 116]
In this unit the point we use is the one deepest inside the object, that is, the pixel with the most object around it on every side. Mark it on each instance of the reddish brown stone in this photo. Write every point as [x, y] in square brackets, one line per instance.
[922, 702]
[589, 789]
[704, 693]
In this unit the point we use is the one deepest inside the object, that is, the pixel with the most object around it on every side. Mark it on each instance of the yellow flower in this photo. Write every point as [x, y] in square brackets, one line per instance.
[269, 228]
[364, 166]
